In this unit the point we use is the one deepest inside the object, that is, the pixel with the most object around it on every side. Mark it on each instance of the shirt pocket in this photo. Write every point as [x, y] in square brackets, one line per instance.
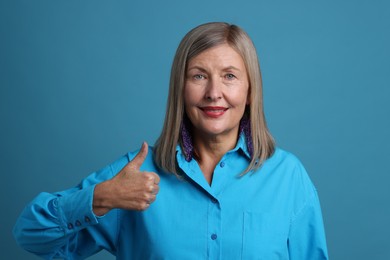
[264, 236]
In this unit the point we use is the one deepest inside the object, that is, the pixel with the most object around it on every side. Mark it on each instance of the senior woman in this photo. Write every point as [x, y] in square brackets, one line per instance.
[213, 187]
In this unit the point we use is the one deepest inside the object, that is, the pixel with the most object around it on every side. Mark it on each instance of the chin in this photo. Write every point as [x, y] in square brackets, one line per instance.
[216, 131]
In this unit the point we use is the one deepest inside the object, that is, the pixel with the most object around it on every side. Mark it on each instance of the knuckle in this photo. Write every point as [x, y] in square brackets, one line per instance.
[144, 206]
[141, 207]
[146, 177]
[145, 196]
[149, 176]
[146, 186]
[157, 177]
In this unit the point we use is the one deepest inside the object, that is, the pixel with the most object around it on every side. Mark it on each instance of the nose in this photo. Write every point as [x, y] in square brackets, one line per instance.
[214, 89]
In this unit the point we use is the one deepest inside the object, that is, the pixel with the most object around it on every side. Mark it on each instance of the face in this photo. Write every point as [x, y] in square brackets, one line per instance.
[216, 91]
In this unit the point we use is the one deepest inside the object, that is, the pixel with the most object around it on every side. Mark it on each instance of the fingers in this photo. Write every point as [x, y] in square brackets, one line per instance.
[152, 181]
[156, 179]
[136, 189]
[151, 199]
[148, 197]
[140, 157]
[154, 189]
[152, 177]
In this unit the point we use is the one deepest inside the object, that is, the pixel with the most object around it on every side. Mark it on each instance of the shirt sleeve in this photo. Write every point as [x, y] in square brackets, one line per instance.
[63, 225]
[307, 239]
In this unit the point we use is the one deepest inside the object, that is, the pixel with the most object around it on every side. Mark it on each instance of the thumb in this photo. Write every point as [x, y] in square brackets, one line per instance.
[140, 157]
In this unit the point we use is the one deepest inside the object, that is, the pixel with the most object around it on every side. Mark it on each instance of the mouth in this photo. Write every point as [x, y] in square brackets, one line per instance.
[213, 112]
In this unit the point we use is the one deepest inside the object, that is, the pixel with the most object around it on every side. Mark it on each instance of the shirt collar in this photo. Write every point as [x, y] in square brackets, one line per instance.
[240, 146]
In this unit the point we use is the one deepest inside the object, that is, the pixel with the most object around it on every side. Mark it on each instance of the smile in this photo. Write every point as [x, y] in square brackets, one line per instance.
[214, 112]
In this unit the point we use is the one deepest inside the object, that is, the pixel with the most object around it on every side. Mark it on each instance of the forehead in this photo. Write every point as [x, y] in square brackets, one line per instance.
[219, 56]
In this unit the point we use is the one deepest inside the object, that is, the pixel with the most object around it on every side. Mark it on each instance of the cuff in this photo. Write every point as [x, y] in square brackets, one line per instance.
[75, 210]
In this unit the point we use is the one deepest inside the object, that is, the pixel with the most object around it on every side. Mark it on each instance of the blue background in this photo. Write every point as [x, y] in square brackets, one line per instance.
[83, 82]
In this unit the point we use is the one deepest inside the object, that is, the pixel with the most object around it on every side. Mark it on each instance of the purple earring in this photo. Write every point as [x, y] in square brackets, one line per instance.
[245, 127]
[186, 139]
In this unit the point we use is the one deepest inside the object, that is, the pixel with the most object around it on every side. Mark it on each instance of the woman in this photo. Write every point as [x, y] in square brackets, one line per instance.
[214, 186]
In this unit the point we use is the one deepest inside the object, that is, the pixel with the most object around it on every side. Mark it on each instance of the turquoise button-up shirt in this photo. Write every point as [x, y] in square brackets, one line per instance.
[273, 213]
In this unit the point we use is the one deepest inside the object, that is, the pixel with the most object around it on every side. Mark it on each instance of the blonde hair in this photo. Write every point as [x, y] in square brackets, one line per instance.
[194, 42]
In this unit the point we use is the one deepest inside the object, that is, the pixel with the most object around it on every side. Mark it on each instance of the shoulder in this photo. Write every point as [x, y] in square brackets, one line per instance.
[284, 157]
[288, 167]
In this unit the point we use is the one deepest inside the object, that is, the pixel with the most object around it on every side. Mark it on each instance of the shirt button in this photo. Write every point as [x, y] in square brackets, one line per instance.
[214, 236]
[70, 226]
[213, 200]
[78, 223]
[87, 219]
[222, 164]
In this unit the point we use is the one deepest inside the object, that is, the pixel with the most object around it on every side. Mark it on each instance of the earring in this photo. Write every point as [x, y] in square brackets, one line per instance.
[186, 139]
[245, 127]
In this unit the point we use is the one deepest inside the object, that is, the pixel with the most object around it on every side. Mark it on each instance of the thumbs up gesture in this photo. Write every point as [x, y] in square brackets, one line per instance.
[130, 189]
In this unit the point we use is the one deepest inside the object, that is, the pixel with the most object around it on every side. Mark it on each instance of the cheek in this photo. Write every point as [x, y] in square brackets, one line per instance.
[189, 99]
[241, 98]
[246, 95]
[192, 95]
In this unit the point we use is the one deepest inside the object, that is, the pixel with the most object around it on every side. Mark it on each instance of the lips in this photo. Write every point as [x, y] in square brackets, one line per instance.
[214, 112]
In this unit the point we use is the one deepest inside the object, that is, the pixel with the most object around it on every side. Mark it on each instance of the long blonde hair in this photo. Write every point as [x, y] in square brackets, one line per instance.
[194, 42]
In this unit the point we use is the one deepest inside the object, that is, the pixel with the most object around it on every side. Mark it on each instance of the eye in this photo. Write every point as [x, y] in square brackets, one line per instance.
[199, 77]
[230, 76]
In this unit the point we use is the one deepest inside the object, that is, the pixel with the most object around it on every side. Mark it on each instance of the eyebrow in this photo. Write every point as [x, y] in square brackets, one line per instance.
[231, 68]
[204, 70]
[196, 68]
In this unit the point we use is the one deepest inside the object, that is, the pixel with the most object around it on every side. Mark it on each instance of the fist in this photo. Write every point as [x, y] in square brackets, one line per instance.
[130, 189]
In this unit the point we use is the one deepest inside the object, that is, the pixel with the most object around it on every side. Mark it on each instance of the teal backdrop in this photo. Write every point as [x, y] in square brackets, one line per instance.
[83, 82]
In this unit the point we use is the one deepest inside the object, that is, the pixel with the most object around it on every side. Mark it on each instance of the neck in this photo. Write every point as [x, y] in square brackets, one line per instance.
[213, 147]
[209, 150]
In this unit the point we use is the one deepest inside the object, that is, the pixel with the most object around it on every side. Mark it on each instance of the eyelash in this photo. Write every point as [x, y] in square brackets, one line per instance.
[228, 76]
[199, 76]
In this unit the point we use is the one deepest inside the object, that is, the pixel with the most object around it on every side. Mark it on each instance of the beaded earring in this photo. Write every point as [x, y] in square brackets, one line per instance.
[186, 139]
[245, 127]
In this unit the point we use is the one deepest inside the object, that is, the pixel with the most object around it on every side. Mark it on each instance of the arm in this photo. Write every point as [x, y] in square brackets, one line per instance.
[66, 225]
[306, 239]
[56, 225]
[307, 236]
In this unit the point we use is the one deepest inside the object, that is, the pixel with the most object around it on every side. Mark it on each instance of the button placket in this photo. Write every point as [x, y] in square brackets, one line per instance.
[214, 228]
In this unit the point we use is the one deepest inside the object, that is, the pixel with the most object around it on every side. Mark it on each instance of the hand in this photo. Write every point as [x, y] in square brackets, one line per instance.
[130, 189]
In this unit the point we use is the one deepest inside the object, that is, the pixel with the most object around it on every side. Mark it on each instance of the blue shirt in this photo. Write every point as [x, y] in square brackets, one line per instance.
[273, 213]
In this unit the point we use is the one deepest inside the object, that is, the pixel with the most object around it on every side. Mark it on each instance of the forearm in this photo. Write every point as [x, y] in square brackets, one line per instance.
[51, 222]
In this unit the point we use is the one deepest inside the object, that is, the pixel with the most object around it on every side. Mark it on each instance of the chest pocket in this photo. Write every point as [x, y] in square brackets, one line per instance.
[264, 236]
